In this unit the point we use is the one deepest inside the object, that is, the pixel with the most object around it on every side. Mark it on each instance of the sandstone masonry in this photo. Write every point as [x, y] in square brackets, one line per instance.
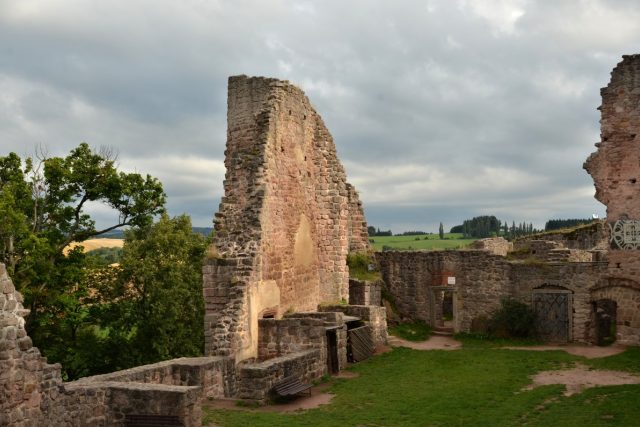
[286, 222]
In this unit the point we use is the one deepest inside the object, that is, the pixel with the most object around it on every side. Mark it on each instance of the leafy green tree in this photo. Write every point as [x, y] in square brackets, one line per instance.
[43, 203]
[155, 309]
[441, 231]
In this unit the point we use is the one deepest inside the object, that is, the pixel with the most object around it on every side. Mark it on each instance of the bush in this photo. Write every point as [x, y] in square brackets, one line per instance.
[362, 266]
[513, 320]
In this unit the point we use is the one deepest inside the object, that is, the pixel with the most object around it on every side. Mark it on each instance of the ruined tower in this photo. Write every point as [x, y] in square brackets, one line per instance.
[286, 222]
[615, 168]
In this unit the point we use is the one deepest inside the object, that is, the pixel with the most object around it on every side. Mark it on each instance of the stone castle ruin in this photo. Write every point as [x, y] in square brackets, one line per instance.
[276, 284]
[287, 220]
[279, 300]
[582, 284]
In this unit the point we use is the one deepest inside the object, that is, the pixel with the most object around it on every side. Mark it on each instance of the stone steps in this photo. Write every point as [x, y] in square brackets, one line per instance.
[443, 331]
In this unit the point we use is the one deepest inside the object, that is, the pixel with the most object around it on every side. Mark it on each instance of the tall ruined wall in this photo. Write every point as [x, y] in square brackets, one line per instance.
[615, 169]
[286, 222]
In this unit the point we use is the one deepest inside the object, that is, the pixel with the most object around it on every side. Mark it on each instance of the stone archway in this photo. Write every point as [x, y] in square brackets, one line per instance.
[604, 316]
[624, 295]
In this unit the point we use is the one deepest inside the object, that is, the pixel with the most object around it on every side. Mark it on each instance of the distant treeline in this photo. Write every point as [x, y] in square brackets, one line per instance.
[556, 224]
[488, 226]
[373, 231]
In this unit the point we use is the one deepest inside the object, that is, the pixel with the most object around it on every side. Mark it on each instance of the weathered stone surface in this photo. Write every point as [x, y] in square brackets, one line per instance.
[482, 280]
[286, 222]
[495, 245]
[616, 171]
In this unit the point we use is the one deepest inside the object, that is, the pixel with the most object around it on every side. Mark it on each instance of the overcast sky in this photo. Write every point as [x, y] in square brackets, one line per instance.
[440, 110]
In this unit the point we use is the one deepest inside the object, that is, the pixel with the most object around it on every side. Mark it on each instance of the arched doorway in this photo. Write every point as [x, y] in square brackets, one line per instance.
[605, 313]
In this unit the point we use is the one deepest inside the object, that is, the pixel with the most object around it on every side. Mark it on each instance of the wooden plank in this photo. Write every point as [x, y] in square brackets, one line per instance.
[290, 386]
[362, 346]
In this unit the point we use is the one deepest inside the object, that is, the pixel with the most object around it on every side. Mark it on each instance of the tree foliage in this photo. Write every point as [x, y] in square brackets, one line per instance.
[153, 309]
[556, 224]
[43, 204]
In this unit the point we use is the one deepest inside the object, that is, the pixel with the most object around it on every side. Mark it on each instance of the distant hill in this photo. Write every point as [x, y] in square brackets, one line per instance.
[119, 234]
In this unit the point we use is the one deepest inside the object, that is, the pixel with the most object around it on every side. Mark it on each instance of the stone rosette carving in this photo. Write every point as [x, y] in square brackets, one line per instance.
[625, 234]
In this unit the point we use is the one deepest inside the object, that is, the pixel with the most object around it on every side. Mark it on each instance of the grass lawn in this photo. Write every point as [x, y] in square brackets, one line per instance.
[427, 241]
[479, 385]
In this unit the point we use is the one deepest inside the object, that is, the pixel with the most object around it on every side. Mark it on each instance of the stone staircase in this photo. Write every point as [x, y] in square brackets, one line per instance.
[445, 330]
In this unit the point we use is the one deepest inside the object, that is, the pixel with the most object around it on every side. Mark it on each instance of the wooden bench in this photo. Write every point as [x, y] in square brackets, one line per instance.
[291, 386]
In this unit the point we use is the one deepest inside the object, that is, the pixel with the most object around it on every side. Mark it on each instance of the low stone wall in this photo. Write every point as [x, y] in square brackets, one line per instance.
[495, 245]
[372, 316]
[365, 292]
[483, 280]
[278, 337]
[256, 380]
[335, 321]
[209, 373]
[586, 237]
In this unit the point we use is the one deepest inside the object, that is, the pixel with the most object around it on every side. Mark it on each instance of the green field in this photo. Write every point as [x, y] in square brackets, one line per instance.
[426, 241]
[479, 385]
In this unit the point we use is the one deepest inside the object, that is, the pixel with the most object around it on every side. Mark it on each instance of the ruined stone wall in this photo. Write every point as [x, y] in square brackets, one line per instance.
[481, 280]
[615, 170]
[286, 222]
[626, 294]
[579, 278]
[370, 315]
[28, 384]
[495, 245]
[256, 380]
[358, 234]
[283, 336]
[365, 292]
[593, 236]
[614, 166]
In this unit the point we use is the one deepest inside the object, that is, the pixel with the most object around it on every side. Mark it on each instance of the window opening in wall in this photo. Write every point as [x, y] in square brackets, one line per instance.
[269, 314]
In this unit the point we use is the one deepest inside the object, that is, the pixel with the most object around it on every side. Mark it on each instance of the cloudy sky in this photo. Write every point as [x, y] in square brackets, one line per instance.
[440, 110]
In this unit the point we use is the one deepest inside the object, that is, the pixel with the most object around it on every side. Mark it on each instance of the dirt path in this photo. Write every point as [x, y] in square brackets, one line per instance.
[588, 351]
[581, 377]
[435, 342]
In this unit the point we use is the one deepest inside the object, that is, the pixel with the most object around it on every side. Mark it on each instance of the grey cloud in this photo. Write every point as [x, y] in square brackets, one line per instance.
[455, 87]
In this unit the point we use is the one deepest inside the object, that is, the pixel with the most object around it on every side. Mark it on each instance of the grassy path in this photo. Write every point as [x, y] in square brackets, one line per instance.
[476, 386]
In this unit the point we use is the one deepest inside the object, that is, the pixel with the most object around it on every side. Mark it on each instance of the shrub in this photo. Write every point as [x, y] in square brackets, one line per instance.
[513, 320]
[362, 266]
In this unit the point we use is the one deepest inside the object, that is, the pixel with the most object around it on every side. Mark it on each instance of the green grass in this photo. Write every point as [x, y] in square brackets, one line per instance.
[418, 331]
[432, 242]
[479, 385]
[359, 263]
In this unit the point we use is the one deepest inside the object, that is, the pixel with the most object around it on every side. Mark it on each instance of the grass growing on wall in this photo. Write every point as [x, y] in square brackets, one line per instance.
[359, 263]
[479, 385]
